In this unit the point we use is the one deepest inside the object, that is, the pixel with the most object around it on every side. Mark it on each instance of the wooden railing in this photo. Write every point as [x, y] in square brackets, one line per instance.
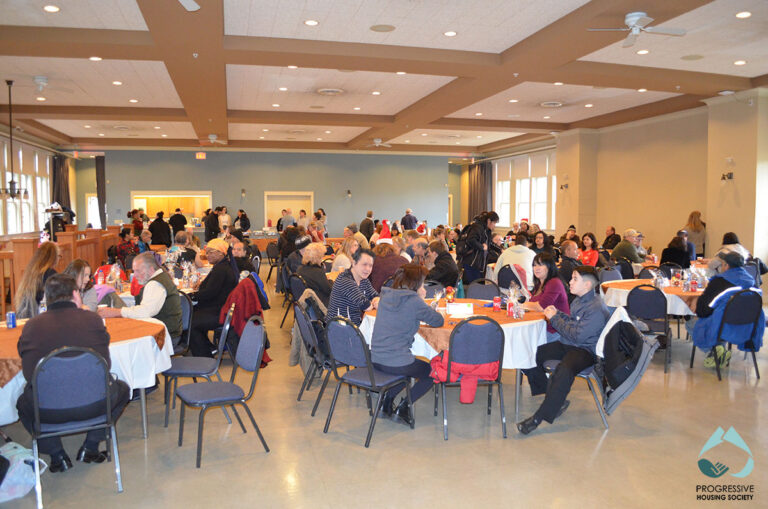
[7, 286]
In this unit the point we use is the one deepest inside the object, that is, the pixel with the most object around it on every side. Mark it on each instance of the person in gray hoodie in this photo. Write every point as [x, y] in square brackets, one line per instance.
[401, 309]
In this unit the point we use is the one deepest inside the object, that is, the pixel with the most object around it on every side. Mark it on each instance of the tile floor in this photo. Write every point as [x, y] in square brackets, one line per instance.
[648, 458]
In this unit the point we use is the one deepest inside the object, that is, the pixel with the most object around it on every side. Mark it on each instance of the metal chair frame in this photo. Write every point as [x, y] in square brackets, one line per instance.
[653, 316]
[432, 287]
[481, 282]
[272, 256]
[588, 375]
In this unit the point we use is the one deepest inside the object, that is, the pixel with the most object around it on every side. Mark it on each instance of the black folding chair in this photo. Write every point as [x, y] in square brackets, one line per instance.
[327, 265]
[507, 277]
[483, 289]
[669, 268]
[181, 344]
[294, 291]
[475, 340]
[648, 272]
[433, 288]
[649, 305]
[754, 271]
[743, 307]
[609, 274]
[273, 254]
[625, 268]
[388, 282]
[347, 347]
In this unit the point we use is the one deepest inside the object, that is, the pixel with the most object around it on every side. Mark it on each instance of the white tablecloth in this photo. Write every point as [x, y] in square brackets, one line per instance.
[616, 297]
[134, 361]
[521, 339]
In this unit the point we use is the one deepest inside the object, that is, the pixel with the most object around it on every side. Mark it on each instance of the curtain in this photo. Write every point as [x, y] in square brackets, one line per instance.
[101, 190]
[480, 187]
[60, 181]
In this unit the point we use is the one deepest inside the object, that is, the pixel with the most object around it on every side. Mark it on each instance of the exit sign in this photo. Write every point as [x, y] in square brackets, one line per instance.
[199, 155]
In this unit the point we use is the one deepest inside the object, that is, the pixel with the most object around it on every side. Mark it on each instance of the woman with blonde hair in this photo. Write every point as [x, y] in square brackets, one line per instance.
[313, 272]
[697, 232]
[343, 259]
[30, 291]
[80, 270]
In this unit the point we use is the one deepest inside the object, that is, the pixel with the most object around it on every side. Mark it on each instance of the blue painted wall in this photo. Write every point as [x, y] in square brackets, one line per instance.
[387, 184]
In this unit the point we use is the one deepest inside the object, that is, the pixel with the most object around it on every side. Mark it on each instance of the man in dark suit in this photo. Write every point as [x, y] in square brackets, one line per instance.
[178, 222]
[444, 269]
[366, 225]
[65, 324]
[212, 229]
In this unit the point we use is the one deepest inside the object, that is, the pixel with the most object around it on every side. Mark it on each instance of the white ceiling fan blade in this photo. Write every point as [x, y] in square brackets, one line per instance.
[190, 5]
[607, 29]
[666, 31]
[630, 40]
[643, 22]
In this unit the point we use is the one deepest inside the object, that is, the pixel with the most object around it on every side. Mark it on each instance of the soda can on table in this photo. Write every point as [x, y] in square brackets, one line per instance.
[10, 319]
[497, 303]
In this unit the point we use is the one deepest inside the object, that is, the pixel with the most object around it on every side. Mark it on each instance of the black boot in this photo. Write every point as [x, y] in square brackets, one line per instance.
[403, 413]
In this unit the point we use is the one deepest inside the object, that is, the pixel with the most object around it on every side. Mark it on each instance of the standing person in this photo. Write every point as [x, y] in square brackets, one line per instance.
[401, 309]
[303, 220]
[409, 221]
[474, 254]
[697, 231]
[288, 219]
[589, 254]
[161, 232]
[136, 222]
[224, 218]
[280, 226]
[579, 333]
[144, 217]
[611, 238]
[30, 294]
[352, 293]
[212, 229]
[366, 225]
[66, 325]
[241, 221]
[127, 247]
[178, 222]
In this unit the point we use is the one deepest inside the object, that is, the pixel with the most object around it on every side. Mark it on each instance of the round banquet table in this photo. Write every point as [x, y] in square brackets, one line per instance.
[521, 337]
[138, 350]
[679, 303]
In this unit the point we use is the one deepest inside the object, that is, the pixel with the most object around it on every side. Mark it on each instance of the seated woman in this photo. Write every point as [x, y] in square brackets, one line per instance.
[313, 272]
[541, 243]
[343, 259]
[730, 243]
[676, 252]
[400, 311]
[181, 246]
[30, 291]
[81, 272]
[385, 264]
[145, 239]
[589, 255]
[126, 248]
[352, 293]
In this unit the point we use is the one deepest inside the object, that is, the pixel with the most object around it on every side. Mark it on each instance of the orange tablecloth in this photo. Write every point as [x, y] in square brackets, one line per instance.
[119, 329]
[333, 275]
[439, 338]
[690, 298]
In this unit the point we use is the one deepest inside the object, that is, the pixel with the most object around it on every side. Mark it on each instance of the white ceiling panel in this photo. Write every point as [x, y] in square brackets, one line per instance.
[257, 88]
[481, 25]
[80, 82]
[714, 33]
[274, 132]
[120, 129]
[457, 138]
[530, 95]
[105, 14]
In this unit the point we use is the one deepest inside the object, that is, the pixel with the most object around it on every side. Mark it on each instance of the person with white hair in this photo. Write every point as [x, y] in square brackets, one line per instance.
[409, 221]
[627, 248]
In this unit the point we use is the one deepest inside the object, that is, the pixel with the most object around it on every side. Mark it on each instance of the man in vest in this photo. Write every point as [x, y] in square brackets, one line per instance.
[159, 297]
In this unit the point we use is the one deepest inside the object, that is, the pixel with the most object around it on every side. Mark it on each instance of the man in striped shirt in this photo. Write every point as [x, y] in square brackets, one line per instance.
[352, 293]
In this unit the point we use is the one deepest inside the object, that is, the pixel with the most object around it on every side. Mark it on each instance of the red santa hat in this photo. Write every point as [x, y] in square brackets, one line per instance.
[422, 228]
[385, 237]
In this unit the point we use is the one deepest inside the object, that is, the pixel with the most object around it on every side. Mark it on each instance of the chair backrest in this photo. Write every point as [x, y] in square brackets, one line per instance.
[297, 285]
[70, 377]
[347, 346]
[273, 253]
[328, 265]
[743, 307]
[647, 302]
[256, 262]
[648, 272]
[625, 268]
[754, 271]
[484, 289]
[388, 282]
[313, 309]
[224, 334]
[187, 311]
[433, 288]
[250, 351]
[609, 274]
[507, 277]
[667, 268]
[476, 340]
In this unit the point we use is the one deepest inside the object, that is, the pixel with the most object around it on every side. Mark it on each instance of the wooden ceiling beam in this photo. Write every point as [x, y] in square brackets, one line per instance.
[513, 142]
[298, 118]
[39, 112]
[471, 124]
[76, 43]
[760, 81]
[38, 130]
[673, 104]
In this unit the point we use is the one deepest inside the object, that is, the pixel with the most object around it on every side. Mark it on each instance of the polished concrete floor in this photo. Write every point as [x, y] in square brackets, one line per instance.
[648, 458]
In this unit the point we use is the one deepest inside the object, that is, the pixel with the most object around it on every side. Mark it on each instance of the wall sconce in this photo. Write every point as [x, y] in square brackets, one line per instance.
[242, 192]
[727, 176]
[349, 193]
[563, 187]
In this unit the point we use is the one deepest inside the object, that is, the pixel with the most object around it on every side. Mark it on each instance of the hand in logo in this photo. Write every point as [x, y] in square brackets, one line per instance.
[715, 471]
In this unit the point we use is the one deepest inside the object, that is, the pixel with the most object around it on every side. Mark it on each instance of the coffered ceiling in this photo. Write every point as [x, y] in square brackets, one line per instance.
[473, 76]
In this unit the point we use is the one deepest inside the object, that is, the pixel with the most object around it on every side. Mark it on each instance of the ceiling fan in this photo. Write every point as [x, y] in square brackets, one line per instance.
[638, 22]
[377, 142]
[190, 5]
[213, 140]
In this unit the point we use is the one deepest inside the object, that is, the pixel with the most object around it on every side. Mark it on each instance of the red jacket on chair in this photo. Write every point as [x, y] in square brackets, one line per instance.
[467, 374]
[246, 298]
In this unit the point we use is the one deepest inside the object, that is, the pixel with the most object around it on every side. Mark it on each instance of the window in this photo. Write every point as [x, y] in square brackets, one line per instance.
[43, 188]
[31, 171]
[503, 196]
[534, 189]
[92, 210]
[27, 205]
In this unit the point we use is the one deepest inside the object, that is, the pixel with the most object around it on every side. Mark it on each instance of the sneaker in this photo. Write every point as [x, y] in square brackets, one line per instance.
[709, 360]
[725, 358]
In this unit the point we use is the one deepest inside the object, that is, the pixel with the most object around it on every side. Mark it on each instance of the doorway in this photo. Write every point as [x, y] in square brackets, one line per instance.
[276, 201]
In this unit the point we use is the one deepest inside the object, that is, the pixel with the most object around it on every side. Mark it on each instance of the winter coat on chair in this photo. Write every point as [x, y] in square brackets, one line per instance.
[466, 374]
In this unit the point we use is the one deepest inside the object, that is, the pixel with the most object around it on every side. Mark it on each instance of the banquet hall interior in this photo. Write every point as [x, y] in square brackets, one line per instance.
[446, 108]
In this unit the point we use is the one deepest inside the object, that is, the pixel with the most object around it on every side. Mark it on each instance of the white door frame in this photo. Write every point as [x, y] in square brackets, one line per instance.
[450, 209]
[267, 194]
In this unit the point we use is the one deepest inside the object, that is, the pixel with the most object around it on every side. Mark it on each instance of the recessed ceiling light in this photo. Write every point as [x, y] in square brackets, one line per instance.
[375, 92]
[311, 23]
[95, 59]
[479, 136]
[40, 98]
[265, 130]
[424, 134]
[356, 108]
[588, 105]
[293, 67]
[407, 141]
[558, 83]
[740, 62]
[164, 135]
[513, 100]
[513, 116]
[478, 114]
[327, 132]
[261, 137]
[740, 15]
[275, 105]
[319, 139]
[283, 89]
[400, 73]
[642, 52]
[458, 143]
[642, 90]
[87, 126]
[317, 107]
[381, 28]
[449, 33]
[101, 134]
[133, 101]
[117, 83]
[54, 8]
[726, 92]
[691, 57]
[546, 117]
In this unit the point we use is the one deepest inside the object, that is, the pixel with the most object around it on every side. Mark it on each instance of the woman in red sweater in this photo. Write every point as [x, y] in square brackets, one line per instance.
[548, 290]
[589, 254]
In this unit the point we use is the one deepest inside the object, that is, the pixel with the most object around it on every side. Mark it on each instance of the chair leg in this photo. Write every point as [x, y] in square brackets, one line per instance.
[502, 411]
[490, 394]
[270, 273]
[717, 365]
[166, 390]
[668, 353]
[118, 472]
[312, 378]
[333, 405]
[287, 310]
[518, 389]
[754, 360]
[237, 416]
[181, 423]
[597, 402]
[410, 405]
[255, 426]
[226, 415]
[200, 423]
[374, 416]
[693, 352]
[320, 393]
[167, 401]
[445, 412]
[436, 385]
[38, 484]
[368, 402]
[307, 378]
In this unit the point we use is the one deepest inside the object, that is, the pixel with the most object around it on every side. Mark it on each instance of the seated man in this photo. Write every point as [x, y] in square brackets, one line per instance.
[519, 254]
[211, 295]
[65, 324]
[294, 260]
[579, 333]
[627, 248]
[240, 255]
[181, 245]
[495, 248]
[158, 298]
[352, 293]
[420, 251]
[568, 262]
[611, 238]
[444, 268]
